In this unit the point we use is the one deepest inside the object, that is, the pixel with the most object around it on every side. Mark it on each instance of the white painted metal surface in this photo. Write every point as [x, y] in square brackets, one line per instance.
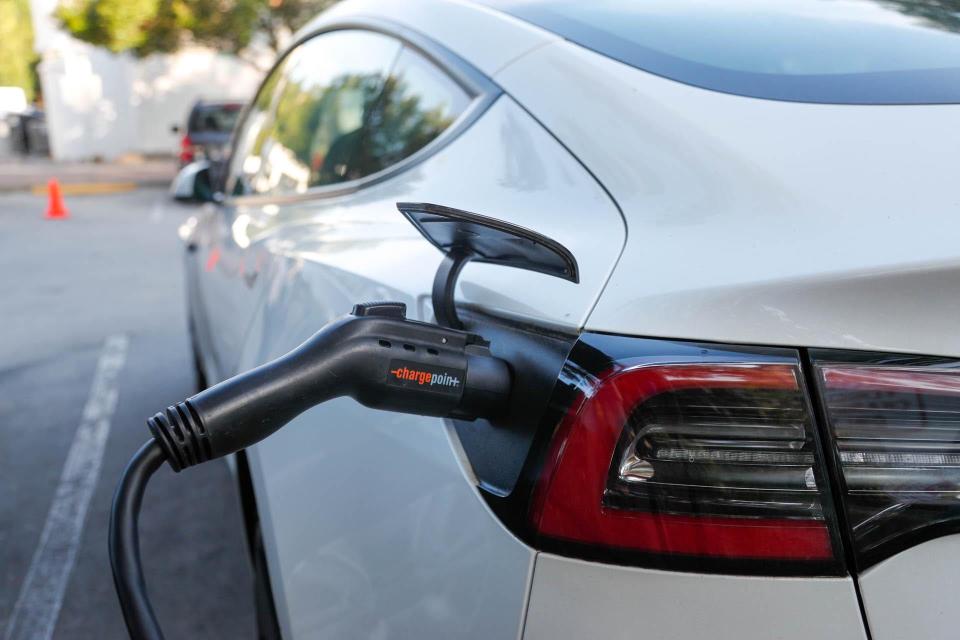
[914, 593]
[578, 600]
[759, 221]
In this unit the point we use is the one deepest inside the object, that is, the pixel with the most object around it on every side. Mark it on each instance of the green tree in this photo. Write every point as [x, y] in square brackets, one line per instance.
[143, 27]
[17, 57]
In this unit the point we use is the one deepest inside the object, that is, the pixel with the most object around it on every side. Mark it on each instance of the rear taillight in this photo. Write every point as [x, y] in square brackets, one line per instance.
[895, 427]
[709, 458]
[187, 150]
[671, 451]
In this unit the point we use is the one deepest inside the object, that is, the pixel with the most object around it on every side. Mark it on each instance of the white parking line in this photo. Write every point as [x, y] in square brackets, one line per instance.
[156, 212]
[35, 614]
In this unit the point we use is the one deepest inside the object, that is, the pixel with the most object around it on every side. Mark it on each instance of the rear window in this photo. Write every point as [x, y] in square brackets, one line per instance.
[215, 118]
[342, 106]
[830, 51]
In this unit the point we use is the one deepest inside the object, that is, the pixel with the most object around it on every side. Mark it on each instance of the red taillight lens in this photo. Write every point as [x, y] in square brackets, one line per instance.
[187, 153]
[701, 459]
[896, 436]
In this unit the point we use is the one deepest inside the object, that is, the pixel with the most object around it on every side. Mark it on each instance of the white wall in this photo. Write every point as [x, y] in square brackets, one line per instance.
[165, 87]
[103, 105]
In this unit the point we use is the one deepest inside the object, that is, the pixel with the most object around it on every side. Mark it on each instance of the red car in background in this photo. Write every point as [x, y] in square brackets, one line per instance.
[209, 127]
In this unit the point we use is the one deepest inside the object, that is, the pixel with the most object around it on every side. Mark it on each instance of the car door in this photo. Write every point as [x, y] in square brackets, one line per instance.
[372, 522]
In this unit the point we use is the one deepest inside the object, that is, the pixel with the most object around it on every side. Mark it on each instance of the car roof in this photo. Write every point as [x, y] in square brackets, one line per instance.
[465, 28]
[849, 52]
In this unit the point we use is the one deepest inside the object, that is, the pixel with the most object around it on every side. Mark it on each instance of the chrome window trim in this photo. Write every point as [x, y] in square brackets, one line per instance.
[481, 89]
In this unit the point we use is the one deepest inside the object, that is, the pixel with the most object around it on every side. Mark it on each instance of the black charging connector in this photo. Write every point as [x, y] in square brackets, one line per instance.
[374, 355]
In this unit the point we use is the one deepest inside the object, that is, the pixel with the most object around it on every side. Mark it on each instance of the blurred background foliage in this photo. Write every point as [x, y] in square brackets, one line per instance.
[143, 27]
[17, 58]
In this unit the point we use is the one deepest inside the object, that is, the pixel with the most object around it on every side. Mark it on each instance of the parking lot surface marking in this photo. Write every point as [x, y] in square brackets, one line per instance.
[37, 608]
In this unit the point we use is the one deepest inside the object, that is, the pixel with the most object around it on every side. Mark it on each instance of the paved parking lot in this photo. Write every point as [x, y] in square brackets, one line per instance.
[93, 342]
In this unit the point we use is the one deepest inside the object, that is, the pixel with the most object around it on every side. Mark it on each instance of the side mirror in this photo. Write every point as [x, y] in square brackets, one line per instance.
[194, 184]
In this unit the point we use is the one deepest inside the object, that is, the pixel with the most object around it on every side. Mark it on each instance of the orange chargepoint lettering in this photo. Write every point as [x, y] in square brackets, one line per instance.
[425, 378]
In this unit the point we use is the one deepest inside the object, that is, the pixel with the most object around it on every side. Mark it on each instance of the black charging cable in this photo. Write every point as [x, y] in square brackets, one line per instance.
[374, 355]
[125, 543]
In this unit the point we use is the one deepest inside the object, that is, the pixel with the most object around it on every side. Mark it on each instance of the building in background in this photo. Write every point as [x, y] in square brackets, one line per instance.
[103, 105]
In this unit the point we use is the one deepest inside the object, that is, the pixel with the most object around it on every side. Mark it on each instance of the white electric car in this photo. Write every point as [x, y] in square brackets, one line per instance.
[737, 416]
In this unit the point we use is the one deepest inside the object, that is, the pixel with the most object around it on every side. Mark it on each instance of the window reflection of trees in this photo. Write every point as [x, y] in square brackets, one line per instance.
[352, 127]
[313, 133]
[400, 126]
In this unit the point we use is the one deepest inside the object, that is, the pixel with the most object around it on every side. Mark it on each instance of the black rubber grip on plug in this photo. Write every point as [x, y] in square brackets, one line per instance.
[181, 435]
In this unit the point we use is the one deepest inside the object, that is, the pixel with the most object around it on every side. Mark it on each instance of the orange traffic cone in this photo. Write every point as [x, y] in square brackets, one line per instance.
[56, 209]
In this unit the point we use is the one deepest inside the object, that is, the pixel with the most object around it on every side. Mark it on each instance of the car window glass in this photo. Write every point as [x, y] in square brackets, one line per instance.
[244, 165]
[306, 126]
[418, 103]
[343, 106]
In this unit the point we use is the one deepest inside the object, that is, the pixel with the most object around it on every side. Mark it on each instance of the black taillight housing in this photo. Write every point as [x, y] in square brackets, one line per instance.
[742, 459]
[686, 455]
[894, 430]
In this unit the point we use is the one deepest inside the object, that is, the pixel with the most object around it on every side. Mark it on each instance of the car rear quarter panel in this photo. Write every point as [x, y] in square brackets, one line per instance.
[757, 221]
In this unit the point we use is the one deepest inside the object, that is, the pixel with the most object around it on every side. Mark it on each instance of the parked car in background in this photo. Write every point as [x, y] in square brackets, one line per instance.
[208, 130]
[741, 419]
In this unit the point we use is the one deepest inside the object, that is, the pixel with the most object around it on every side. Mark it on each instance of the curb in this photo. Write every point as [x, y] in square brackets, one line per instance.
[87, 188]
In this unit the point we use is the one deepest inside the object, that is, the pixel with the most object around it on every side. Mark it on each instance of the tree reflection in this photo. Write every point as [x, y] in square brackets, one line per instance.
[349, 128]
[939, 14]
[400, 126]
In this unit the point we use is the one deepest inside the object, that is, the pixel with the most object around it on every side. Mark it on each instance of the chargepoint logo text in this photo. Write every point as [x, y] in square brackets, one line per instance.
[425, 378]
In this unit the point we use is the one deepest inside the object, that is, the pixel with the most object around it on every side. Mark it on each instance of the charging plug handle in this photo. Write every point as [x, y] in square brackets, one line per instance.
[374, 355]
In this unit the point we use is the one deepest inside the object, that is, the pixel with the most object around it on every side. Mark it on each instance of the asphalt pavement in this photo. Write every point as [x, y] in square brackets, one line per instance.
[93, 340]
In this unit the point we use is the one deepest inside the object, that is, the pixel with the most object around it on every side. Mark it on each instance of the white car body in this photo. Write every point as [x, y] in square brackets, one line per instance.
[693, 214]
